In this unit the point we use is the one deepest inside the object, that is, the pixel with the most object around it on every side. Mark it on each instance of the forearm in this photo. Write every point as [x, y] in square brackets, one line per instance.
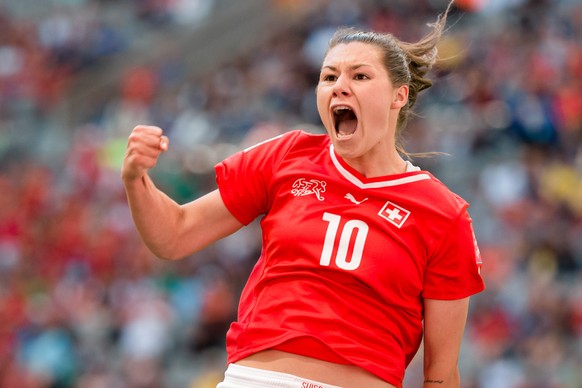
[156, 216]
[444, 324]
[441, 376]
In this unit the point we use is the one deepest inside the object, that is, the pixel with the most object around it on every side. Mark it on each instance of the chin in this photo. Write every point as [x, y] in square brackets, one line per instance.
[345, 149]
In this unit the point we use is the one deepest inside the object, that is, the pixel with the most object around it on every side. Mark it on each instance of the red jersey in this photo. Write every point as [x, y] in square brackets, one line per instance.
[346, 260]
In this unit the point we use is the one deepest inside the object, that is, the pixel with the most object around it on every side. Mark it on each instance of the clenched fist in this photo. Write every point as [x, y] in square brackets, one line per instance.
[143, 149]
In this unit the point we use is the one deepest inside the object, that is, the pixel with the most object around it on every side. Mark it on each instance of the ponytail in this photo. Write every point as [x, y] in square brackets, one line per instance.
[421, 56]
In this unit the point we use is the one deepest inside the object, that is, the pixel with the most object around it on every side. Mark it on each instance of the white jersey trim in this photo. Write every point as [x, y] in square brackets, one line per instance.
[263, 142]
[375, 185]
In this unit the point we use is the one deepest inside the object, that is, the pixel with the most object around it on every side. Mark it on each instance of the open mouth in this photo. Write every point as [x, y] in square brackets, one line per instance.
[345, 121]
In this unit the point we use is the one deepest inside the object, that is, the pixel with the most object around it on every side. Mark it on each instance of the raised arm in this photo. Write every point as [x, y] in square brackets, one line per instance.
[444, 325]
[170, 230]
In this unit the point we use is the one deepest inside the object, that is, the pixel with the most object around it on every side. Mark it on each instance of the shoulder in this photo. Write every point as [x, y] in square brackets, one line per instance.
[439, 199]
[290, 140]
[289, 145]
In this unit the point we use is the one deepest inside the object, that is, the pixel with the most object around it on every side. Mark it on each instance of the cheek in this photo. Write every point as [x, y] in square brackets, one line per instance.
[380, 97]
[322, 108]
[377, 111]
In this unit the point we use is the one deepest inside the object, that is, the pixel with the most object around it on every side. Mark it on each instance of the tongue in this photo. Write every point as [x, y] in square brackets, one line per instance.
[347, 127]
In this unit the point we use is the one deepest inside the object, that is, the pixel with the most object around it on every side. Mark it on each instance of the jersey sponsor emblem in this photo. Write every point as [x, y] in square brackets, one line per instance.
[351, 198]
[394, 213]
[303, 187]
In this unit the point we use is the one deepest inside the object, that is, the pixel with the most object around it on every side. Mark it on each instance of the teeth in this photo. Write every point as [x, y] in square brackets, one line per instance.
[340, 108]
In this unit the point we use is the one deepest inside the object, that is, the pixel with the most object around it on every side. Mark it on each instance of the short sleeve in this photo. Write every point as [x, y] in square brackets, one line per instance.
[454, 269]
[244, 178]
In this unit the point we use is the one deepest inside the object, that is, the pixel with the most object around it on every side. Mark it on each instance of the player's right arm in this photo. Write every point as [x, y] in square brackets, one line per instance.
[170, 230]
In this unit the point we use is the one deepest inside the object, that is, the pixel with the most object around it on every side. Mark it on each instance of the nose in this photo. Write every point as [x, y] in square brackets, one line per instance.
[341, 86]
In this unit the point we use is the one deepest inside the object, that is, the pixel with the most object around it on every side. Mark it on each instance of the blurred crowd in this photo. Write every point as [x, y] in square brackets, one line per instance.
[44, 44]
[84, 304]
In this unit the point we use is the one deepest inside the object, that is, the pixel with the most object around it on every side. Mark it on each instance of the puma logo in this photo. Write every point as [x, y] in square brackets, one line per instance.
[351, 198]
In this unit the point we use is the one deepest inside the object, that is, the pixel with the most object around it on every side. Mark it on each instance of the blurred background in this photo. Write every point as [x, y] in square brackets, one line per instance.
[82, 301]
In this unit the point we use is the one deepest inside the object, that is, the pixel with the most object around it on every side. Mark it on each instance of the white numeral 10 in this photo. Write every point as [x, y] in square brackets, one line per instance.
[361, 230]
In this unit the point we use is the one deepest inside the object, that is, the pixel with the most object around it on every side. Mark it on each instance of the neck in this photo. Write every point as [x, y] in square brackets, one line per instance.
[388, 166]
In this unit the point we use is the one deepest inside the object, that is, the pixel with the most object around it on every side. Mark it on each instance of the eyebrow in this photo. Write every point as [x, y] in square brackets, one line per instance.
[353, 67]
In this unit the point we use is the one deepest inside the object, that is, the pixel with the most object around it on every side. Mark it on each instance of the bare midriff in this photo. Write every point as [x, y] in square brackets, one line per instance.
[345, 376]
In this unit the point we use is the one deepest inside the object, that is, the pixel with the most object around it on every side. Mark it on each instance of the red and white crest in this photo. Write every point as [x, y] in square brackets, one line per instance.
[302, 187]
[395, 214]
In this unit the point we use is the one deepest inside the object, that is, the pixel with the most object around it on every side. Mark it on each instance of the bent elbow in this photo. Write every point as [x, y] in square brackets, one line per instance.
[168, 256]
[166, 253]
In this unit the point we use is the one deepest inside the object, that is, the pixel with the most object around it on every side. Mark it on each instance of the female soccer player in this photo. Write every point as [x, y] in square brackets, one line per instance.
[364, 255]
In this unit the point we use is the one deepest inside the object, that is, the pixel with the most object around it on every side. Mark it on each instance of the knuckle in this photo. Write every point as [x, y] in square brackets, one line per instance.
[134, 137]
[138, 129]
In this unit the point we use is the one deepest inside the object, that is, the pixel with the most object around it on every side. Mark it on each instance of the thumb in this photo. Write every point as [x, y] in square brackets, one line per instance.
[164, 143]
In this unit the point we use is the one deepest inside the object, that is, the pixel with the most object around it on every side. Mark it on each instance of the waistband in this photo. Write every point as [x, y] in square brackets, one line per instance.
[238, 376]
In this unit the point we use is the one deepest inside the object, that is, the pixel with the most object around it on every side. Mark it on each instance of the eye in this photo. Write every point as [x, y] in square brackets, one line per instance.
[328, 77]
[361, 76]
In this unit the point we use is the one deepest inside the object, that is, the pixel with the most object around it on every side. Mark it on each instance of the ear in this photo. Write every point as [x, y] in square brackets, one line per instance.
[400, 97]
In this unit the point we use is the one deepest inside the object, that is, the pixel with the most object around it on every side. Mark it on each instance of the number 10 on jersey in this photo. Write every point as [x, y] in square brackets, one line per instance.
[360, 228]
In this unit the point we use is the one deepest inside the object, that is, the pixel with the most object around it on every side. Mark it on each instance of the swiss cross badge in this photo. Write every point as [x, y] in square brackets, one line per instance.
[394, 213]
